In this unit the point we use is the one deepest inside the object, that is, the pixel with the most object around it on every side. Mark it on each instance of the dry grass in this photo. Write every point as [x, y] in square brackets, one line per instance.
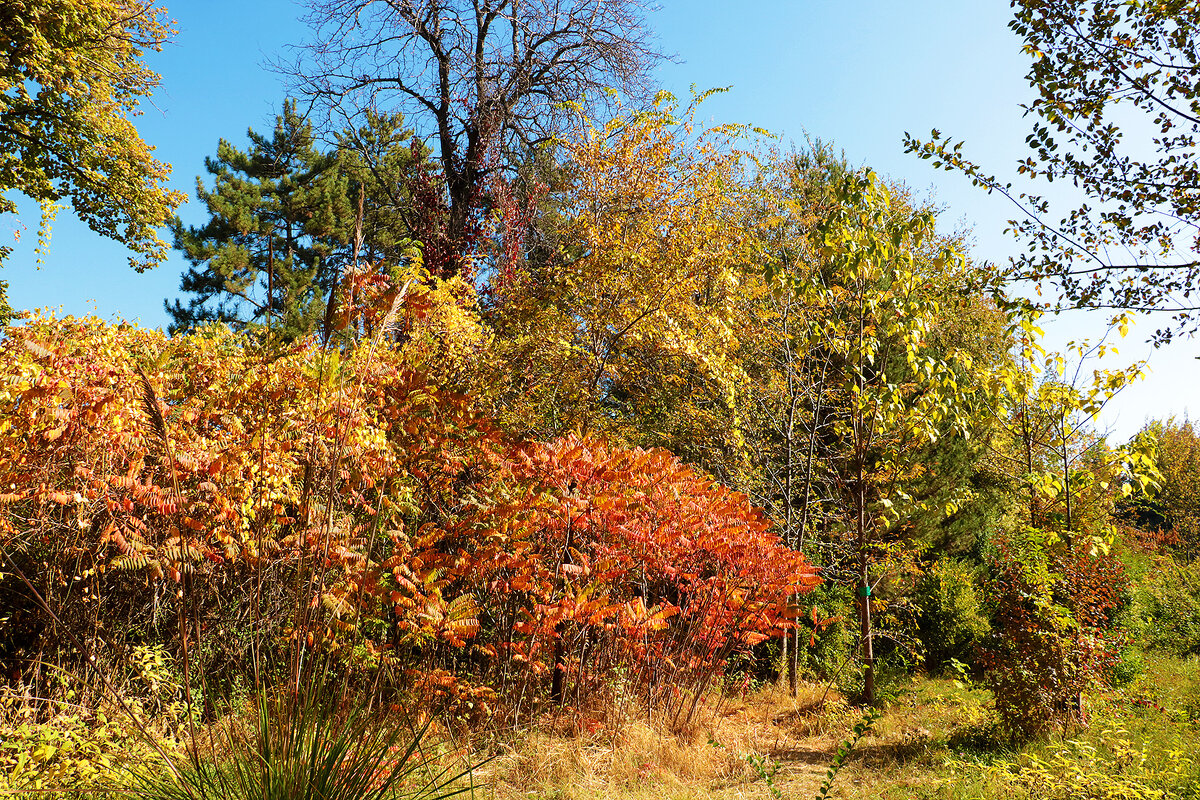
[936, 741]
[633, 760]
[926, 724]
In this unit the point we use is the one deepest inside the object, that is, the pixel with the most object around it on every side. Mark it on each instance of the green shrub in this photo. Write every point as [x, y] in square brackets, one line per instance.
[832, 636]
[952, 620]
[1164, 614]
[1129, 666]
[303, 747]
[1113, 767]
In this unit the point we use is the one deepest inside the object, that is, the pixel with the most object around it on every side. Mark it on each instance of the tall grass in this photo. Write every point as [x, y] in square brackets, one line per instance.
[305, 746]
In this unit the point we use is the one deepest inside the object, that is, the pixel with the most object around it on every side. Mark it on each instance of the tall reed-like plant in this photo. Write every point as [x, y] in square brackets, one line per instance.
[304, 747]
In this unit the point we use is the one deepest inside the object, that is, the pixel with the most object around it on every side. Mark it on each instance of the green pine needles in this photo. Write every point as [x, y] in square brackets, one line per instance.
[286, 217]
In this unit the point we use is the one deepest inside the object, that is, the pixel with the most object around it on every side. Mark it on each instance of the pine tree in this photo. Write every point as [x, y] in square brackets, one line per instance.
[279, 213]
[285, 221]
[384, 164]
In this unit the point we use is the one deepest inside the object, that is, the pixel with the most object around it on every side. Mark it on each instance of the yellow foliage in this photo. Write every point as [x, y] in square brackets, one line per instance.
[71, 76]
[644, 295]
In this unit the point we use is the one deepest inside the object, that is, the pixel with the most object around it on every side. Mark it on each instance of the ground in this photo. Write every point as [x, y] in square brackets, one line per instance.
[936, 739]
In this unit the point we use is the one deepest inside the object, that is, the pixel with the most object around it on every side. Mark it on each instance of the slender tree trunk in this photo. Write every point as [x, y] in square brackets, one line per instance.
[790, 663]
[559, 674]
[860, 496]
[1027, 441]
[810, 459]
[1066, 465]
[864, 607]
[271, 276]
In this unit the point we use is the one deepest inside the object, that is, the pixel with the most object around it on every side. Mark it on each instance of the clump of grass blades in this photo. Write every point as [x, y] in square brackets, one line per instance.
[303, 748]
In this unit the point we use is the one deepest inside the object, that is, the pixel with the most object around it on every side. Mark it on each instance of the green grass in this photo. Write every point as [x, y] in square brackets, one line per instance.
[1140, 742]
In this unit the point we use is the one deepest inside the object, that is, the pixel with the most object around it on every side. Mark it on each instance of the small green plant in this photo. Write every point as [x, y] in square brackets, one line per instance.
[159, 683]
[844, 750]
[961, 673]
[767, 768]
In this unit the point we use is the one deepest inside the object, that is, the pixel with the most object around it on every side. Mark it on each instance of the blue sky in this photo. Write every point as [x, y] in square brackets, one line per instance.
[857, 73]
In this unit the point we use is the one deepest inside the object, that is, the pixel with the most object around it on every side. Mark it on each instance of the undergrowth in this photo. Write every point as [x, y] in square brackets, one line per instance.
[938, 738]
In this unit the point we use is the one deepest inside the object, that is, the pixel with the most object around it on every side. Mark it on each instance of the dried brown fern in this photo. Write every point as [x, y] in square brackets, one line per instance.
[151, 407]
[158, 425]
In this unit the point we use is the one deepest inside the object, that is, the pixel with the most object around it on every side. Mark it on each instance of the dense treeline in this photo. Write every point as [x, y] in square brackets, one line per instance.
[575, 412]
[375, 486]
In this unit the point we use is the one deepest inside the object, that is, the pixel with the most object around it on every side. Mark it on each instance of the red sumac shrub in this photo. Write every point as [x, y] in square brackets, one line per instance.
[347, 498]
[606, 561]
[1053, 599]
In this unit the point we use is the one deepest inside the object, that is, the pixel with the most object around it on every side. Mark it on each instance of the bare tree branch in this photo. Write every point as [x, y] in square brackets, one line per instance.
[484, 81]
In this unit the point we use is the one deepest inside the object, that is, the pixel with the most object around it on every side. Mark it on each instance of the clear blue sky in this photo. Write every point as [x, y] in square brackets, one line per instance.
[858, 73]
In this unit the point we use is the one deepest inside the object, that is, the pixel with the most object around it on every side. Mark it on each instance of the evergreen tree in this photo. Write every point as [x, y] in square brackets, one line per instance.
[385, 165]
[285, 221]
[279, 212]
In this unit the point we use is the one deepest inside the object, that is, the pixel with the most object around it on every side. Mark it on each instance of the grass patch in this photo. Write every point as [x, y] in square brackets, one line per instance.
[304, 747]
[938, 738]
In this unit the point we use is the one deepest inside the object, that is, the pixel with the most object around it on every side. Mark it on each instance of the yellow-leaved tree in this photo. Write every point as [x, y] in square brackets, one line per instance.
[629, 327]
[71, 77]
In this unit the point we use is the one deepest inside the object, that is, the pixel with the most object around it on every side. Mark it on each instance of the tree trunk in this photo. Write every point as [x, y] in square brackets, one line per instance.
[864, 619]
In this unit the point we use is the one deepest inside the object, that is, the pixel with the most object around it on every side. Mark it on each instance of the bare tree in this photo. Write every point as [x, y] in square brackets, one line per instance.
[485, 80]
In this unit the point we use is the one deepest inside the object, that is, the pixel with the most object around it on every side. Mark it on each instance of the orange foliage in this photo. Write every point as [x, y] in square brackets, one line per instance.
[299, 467]
[349, 494]
[627, 559]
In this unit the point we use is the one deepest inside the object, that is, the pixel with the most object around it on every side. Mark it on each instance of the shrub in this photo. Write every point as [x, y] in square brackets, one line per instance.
[68, 751]
[302, 747]
[348, 499]
[830, 630]
[622, 560]
[1164, 613]
[1052, 601]
[951, 621]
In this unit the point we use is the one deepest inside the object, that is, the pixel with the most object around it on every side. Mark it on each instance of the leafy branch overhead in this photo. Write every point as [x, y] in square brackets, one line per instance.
[71, 78]
[1116, 118]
